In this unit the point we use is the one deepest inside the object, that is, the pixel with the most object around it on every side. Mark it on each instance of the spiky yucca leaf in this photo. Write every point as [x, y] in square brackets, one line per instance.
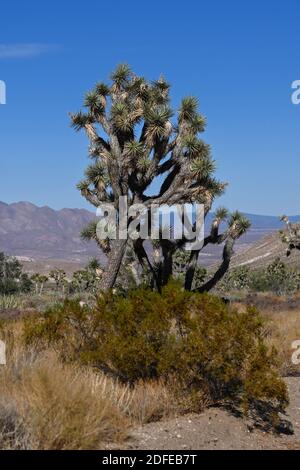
[102, 89]
[160, 92]
[80, 120]
[93, 264]
[121, 117]
[89, 232]
[221, 214]
[202, 168]
[158, 115]
[94, 102]
[188, 109]
[195, 147]
[244, 224]
[134, 149]
[214, 187]
[83, 185]
[239, 223]
[161, 84]
[143, 163]
[235, 217]
[96, 175]
[198, 123]
[191, 145]
[138, 89]
[121, 74]
[158, 119]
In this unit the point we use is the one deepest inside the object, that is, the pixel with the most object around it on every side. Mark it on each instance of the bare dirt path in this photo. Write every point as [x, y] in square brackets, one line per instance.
[217, 429]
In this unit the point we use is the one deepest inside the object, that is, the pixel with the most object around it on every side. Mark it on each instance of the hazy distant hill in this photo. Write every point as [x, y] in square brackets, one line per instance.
[264, 251]
[42, 233]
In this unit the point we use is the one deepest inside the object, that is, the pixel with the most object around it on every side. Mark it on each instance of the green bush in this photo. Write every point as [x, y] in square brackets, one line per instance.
[277, 277]
[208, 347]
[236, 279]
[180, 261]
[12, 279]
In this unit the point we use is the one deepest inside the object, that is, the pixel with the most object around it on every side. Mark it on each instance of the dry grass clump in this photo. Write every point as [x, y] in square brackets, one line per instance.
[282, 326]
[152, 400]
[283, 330]
[50, 405]
[47, 404]
[145, 402]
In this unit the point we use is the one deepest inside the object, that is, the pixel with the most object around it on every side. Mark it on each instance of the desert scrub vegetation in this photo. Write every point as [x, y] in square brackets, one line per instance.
[205, 350]
[47, 403]
[277, 278]
[12, 278]
[10, 302]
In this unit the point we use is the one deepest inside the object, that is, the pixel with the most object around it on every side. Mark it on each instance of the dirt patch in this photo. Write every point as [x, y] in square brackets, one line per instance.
[217, 429]
[269, 302]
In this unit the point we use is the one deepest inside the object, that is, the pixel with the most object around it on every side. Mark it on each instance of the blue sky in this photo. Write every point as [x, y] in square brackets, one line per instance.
[238, 58]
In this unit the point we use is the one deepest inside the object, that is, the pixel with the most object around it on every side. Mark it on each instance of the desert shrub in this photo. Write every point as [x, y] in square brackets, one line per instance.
[12, 279]
[277, 277]
[236, 279]
[258, 281]
[180, 261]
[212, 350]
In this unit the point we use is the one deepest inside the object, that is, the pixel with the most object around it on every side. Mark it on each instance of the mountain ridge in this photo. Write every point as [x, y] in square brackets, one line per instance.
[40, 232]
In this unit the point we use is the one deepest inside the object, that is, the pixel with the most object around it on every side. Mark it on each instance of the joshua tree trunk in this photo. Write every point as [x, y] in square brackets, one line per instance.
[114, 262]
[190, 269]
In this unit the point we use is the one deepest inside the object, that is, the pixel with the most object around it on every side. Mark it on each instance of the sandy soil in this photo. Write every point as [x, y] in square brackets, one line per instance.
[217, 429]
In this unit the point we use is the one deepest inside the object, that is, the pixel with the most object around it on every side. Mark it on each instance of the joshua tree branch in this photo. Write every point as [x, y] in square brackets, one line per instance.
[221, 271]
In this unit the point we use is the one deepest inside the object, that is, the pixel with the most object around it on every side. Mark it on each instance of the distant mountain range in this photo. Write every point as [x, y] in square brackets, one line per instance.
[42, 233]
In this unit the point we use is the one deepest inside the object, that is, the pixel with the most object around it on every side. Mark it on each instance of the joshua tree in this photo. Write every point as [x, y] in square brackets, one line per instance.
[136, 140]
[291, 236]
[59, 277]
[12, 278]
[39, 281]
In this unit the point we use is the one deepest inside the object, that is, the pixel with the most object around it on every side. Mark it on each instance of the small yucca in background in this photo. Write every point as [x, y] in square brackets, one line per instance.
[10, 302]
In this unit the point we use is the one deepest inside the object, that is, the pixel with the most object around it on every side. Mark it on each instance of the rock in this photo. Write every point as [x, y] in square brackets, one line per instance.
[285, 427]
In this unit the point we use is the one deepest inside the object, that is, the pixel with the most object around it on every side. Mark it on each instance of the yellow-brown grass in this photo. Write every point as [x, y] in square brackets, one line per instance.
[46, 404]
[282, 328]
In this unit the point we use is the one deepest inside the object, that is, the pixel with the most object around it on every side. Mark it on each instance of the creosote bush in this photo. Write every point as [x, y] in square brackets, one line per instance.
[211, 350]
